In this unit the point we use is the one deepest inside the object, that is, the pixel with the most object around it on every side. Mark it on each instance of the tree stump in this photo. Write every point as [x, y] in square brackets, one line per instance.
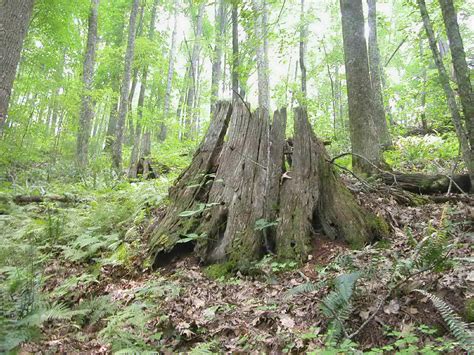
[244, 195]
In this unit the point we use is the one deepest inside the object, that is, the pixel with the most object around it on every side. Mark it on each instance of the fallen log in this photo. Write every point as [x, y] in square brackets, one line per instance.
[27, 199]
[240, 198]
[420, 131]
[428, 184]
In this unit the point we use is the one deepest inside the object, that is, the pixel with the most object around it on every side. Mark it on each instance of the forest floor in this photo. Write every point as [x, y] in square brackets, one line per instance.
[75, 277]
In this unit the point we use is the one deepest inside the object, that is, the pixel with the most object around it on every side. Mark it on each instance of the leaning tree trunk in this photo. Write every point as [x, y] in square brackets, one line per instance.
[461, 68]
[239, 200]
[467, 151]
[14, 21]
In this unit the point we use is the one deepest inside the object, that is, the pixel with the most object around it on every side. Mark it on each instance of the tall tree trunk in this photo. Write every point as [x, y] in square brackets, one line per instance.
[217, 62]
[461, 69]
[130, 130]
[303, 38]
[132, 172]
[190, 114]
[365, 147]
[235, 50]
[87, 109]
[259, 9]
[115, 86]
[14, 21]
[169, 80]
[466, 149]
[424, 78]
[376, 76]
[122, 114]
[333, 89]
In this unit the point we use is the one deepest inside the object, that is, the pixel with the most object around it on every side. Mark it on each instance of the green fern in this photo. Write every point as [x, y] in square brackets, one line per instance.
[305, 288]
[96, 309]
[337, 305]
[458, 328]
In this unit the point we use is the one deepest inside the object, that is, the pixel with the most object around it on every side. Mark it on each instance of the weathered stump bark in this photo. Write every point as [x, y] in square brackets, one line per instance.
[240, 198]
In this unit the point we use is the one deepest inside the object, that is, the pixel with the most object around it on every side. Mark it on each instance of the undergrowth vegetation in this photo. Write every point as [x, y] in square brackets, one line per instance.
[79, 269]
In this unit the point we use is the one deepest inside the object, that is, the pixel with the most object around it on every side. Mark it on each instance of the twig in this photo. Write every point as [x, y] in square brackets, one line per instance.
[396, 50]
[362, 181]
[242, 99]
[367, 160]
[390, 292]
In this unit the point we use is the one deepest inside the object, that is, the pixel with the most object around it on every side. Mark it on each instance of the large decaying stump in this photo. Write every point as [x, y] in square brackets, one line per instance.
[244, 194]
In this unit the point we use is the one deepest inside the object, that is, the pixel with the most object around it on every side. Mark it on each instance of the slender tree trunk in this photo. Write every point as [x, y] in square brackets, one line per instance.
[190, 114]
[466, 149]
[375, 77]
[333, 90]
[115, 86]
[122, 114]
[461, 69]
[130, 130]
[87, 109]
[14, 21]
[424, 78]
[132, 172]
[169, 80]
[303, 38]
[217, 62]
[259, 9]
[235, 50]
[364, 140]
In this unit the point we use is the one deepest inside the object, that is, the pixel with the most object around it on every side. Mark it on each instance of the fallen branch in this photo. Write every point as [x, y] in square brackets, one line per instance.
[26, 199]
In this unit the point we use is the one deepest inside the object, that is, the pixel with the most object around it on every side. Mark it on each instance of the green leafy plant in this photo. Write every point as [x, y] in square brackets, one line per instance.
[337, 305]
[457, 326]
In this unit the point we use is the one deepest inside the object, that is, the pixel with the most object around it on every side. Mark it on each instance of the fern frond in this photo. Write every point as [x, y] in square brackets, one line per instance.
[304, 288]
[337, 304]
[457, 326]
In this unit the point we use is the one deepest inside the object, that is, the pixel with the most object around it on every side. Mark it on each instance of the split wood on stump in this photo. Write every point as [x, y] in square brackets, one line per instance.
[242, 197]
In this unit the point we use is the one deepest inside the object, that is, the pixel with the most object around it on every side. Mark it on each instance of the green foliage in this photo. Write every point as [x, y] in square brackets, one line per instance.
[220, 271]
[337, 305]
[127, 329]
[305, 288]
[429, 154]
[458, 328]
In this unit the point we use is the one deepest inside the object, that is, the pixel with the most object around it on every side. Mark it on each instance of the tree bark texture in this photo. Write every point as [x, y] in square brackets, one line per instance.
[221, 21]
[303, 38]
[115, 86]
[260, 30]
[87, 108]
[359, 90]
[376, 77]
[169, 80]
[241, 198]
[428, 184]
[461, 69]
[14, 20]
[462, 134]
[193, 74]
[136, 153]
[235, 51]
[124, 92]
